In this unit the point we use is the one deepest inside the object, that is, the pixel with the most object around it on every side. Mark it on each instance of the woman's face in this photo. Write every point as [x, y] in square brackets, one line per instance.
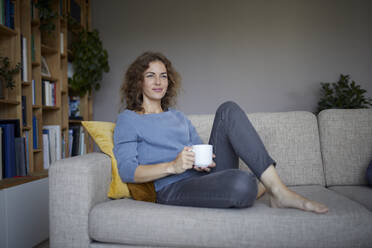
[155, 82]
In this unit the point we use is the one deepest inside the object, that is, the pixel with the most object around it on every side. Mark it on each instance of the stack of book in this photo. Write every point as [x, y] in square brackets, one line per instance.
[77, 144]
[52, 144]
[14, 160]
[7, 13]
[49, 93]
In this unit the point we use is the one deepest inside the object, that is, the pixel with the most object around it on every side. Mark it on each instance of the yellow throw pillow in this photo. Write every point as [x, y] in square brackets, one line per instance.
[102, 133]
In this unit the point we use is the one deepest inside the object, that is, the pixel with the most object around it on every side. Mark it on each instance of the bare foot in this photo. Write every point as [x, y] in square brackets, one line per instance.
[285, 198]
[261, 190]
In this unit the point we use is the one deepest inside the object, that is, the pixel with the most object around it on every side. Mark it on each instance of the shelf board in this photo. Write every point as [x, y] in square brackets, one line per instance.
[36, 106]
[14, 181]
[64, 128]
[48, 50]
[35, 23]
[75, 121]
[9, 101]
[26, 83]
[38, 150]
[50, 108]
[4, 30]
[26, 128]
[49, 78]
[35, 64]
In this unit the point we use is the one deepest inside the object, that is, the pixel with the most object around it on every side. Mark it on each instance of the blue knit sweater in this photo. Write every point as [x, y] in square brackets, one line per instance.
[151, 139]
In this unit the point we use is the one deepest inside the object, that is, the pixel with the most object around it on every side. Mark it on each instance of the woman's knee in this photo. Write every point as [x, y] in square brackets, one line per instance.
[243, 188]
[228, 105]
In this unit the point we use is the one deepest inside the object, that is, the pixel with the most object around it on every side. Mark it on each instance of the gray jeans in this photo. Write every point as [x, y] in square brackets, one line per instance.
[226, 186]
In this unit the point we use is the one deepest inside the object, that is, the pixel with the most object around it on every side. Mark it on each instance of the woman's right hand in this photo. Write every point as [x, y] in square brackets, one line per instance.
[184, 160]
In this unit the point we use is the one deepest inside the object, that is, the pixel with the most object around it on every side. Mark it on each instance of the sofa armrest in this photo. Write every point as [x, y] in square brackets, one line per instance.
[76, 184]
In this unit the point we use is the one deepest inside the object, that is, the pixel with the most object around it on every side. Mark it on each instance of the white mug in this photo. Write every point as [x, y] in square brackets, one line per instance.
[203, 155]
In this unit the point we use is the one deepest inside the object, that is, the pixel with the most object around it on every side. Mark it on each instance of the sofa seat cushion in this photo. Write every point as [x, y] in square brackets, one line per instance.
[126, 221]
[361, 194]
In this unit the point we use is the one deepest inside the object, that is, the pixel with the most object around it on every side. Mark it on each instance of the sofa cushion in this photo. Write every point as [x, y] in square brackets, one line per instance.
[291, 138]
[361, 194]
[347, 224]
[346, 144]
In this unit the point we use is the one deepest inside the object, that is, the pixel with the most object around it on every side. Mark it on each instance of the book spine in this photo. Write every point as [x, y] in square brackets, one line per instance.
[33, 48]
[26, 135]
[43, 100]
[2, 12]
[9, 151]
[24, 111]
[1, 150]
[35, 132]
[62, 43]
[11, 15]
[7, 12]
[24, 58]
[46, 155]
[33, 92]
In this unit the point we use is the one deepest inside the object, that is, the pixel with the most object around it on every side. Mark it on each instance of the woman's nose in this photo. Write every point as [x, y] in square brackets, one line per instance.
[158, 81]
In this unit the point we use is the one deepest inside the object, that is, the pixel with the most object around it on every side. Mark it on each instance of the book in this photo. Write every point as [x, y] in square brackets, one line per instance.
[82, 141]
[43, 93]
[15, 122]
[70, 140]
[7, 12]
[8, 150]
[55, 143]
[62, 43]
[35, 131]
[63, 155]
[20, 156]
[75, 10]
[46, 155]
[24, 59]
[24, 111]
[33, 92]
[75, 140]
[33, 58]
[11, 15]
[2, 12]
[26, 135]
[1, 150]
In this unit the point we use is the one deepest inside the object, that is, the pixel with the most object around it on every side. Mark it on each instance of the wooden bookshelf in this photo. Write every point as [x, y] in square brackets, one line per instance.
[54, 49]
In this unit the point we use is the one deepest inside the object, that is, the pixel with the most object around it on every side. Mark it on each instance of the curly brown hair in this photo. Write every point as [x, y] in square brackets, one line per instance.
[131, 89]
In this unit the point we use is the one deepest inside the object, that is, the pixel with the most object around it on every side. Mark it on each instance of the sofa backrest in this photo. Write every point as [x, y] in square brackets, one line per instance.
[346, 145]
[291, 138]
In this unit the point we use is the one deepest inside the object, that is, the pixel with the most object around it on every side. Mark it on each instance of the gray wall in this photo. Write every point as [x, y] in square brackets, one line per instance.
[267, 55]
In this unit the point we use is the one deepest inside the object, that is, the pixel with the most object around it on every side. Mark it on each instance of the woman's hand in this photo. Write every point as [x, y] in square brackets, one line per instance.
[184, 160]
[208, 168]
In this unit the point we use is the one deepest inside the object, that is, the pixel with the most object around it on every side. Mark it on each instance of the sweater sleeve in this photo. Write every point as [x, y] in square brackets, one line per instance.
[194, 136]
[125, 148]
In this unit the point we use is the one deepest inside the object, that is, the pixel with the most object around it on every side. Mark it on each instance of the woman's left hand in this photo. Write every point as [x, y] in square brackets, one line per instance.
[208, 168]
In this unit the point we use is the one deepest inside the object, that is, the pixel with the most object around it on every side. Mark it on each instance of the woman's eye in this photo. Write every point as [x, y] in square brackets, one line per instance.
[164, 76]
[149, 75]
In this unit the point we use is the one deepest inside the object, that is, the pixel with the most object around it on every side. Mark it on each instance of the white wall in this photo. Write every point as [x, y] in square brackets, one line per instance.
[268, 55]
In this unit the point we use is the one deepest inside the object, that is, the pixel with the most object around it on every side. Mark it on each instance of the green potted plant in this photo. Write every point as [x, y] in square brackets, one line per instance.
[90, 60]
[47, 17]
[343, 95]
[6, 74]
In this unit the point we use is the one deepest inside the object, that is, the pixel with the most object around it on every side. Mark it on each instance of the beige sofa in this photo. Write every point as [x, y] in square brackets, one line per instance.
[322, 157]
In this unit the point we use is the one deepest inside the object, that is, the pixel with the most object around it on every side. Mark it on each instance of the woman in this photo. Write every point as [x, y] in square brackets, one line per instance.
[152, 143]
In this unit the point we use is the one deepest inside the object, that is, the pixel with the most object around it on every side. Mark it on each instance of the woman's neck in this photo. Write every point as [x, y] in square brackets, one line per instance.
[151, 108]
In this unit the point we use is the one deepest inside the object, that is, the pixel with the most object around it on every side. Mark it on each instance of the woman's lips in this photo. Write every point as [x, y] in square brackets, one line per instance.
[157, 90]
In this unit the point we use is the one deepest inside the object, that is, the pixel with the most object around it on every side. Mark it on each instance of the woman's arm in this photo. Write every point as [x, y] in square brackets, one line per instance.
[184, 161]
